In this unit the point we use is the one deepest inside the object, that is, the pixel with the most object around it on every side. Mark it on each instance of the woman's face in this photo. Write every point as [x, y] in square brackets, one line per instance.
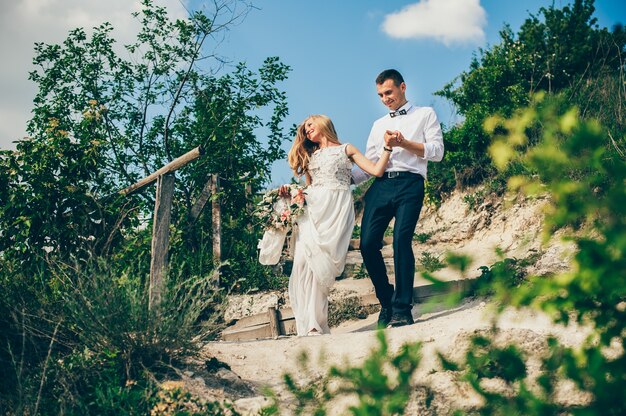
[312, 130]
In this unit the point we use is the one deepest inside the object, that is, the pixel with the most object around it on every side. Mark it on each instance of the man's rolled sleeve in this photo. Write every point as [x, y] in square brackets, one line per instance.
[433, 138]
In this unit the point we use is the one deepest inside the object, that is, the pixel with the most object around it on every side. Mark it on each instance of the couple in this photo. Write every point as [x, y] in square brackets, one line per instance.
[399, 147]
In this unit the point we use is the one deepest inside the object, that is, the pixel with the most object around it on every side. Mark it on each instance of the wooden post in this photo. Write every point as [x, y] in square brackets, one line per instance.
[248, 194]
[249, 205]
[274, 328]
[216, 221]
[161, 221]
[160, 237]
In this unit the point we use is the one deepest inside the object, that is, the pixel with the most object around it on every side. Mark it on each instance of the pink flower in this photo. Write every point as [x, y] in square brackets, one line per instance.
[284, 216]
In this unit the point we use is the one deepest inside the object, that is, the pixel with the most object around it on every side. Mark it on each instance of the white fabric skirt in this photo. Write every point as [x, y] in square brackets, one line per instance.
[321, 244]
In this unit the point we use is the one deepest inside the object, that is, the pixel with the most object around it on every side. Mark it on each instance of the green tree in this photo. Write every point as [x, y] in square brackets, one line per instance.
[590, 209]
[74, 255]
[562, 50]
[102, 121]
[226, 124]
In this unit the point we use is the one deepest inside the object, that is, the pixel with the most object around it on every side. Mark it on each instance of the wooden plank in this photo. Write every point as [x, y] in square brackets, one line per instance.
[262, 318]
[252, 320]
[424, 292]
[274, 329]
[288, 326]
[170, 167]
[160, 237]
[285, 314]
[247, 334]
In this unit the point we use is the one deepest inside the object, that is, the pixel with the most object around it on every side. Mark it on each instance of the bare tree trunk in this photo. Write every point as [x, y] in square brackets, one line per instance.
[198, 206]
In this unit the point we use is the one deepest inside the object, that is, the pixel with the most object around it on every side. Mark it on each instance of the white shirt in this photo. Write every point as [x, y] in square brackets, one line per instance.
[419, 124]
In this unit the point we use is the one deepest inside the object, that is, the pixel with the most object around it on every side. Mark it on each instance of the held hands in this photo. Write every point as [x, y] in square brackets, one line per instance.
[393, 138]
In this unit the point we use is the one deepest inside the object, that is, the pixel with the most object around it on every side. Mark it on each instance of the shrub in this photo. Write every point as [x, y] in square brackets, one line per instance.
[491, 278]
[346, 309]
[586, 181]
[430, 263]
[382, 384]
[361, 273]
[88, 344]
[173, 399]
[422, 237]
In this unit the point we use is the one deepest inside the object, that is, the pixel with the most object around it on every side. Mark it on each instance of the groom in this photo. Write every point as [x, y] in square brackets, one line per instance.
[415, 137]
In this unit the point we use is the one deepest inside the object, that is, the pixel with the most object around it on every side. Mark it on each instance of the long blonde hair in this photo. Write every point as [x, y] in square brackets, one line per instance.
[303, 148]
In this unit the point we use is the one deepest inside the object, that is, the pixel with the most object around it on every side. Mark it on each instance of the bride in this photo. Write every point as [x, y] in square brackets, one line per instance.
[325, 228]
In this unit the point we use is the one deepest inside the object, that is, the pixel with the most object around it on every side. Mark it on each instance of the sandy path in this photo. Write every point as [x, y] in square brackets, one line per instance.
[263, 362]
[516, 228]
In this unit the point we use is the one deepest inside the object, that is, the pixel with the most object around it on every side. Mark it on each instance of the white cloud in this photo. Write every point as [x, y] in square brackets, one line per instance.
[22, 23]
[447, 21]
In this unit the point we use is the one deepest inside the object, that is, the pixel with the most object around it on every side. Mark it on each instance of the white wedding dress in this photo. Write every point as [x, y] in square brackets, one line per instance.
[322, 238]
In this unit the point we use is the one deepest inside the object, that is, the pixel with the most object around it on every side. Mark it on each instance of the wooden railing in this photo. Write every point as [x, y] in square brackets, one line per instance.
[164, 178]
[174, 165]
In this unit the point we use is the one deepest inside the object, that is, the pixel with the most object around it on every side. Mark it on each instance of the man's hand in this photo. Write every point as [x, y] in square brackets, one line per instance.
[393, 138]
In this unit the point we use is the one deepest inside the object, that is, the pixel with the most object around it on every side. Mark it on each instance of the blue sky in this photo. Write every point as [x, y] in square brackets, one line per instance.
[335, 49]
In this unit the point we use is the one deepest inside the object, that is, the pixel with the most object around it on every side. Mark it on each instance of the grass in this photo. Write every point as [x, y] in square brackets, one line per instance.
[101, 349]
[347, 309]
[431, 263]
[474, 200]
[361, 273]
[422, 237]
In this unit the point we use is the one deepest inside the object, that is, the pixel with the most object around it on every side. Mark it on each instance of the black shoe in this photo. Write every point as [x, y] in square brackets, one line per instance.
[400, 319]
[384, 317]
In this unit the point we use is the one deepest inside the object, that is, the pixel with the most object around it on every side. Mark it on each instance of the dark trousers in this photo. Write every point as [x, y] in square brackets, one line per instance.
[402, 198]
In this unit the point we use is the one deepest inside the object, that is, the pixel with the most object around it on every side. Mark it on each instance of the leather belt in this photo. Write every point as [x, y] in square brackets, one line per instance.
[401, 174]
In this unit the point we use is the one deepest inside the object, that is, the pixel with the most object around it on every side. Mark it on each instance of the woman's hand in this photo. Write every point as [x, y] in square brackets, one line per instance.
[284, 191]
[376, 169]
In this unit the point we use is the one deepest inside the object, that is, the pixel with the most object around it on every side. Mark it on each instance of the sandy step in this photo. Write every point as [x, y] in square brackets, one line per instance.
[354, 266]
[277, 322]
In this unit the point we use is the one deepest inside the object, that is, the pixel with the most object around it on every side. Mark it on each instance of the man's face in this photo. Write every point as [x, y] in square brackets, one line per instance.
[392, 96]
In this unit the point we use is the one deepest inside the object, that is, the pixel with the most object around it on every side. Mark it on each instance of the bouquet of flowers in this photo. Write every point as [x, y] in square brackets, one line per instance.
[280, 207]
[278, 211]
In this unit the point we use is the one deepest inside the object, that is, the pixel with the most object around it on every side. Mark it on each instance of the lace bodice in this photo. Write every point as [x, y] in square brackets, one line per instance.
[330, 168]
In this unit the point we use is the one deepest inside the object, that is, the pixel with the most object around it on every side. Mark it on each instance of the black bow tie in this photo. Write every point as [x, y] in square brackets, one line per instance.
[397, 113]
